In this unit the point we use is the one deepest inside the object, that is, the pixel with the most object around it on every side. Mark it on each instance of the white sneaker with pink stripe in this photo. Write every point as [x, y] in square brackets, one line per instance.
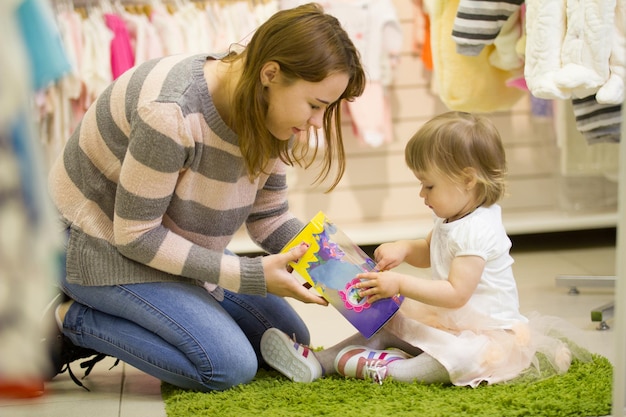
[364, 363]
[297, 362]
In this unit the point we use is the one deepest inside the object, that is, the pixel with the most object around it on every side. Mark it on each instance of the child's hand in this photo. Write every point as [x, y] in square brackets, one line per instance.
[389, 255]
[378, 285]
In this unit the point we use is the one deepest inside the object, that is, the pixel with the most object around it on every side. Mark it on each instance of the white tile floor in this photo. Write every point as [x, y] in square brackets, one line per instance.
[126, 392]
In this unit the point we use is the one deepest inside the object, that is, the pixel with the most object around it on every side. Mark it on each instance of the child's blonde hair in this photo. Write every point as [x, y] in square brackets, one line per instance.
[451, 142]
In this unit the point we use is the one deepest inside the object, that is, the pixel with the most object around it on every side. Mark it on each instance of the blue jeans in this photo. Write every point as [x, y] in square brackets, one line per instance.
[178, 332]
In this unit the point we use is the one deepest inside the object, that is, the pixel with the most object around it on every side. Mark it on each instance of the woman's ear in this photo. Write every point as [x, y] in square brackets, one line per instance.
[470, 178]
[269, 72]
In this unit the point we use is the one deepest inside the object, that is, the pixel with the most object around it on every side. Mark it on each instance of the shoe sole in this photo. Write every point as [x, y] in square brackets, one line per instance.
[278, 351]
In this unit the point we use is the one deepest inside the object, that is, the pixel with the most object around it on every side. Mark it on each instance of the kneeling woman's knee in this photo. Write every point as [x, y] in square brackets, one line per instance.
[232, 371]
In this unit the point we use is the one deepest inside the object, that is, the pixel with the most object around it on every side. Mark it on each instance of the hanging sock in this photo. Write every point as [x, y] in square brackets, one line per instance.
[478, 23]
[597, 122]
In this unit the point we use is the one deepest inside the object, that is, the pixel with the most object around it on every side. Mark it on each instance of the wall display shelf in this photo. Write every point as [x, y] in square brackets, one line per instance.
[373, 233]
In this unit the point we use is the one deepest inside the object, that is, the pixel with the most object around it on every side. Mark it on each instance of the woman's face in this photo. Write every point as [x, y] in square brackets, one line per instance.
[295, 107]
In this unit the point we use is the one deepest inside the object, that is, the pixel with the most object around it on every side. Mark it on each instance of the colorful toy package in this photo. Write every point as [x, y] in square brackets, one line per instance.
[330, 265]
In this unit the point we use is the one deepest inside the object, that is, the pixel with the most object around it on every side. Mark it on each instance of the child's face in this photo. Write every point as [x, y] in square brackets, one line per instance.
[448, 199]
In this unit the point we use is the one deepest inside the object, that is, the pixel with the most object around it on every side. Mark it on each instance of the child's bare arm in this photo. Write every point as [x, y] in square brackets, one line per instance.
[465, 274]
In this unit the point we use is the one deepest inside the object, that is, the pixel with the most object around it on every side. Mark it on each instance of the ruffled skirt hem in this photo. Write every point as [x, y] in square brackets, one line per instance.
[542, 347]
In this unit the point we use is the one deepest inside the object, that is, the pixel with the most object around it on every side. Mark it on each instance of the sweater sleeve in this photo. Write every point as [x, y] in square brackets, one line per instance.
[271, 225]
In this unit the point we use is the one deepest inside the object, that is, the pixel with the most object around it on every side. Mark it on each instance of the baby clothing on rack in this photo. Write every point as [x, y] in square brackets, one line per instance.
[375, 30]
[574, 48]
[478, 23]
[122, 55]
[96, 70]
[597, 122]
[577, 50]
[612, 92]
[468, 83]
[145, 41]
[45, 49]
[103, 42]
[167, 27]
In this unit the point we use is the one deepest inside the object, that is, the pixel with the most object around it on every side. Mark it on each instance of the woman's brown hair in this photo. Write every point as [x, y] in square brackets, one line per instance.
[310, 45]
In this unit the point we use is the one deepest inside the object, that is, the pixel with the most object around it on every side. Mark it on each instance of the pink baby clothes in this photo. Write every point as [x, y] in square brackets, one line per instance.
[122, 56]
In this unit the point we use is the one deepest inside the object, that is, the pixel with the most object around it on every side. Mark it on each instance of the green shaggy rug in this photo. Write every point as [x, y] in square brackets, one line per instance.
[585, 390]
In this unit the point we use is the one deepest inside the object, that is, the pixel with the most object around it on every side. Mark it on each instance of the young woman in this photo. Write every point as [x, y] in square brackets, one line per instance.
[463, 326]
[170, 161]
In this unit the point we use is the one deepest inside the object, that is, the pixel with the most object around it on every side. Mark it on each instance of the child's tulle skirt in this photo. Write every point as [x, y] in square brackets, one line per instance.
[475, 349]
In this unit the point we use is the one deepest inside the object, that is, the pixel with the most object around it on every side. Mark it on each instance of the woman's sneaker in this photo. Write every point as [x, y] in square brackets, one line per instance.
[295, 361]
[364, 363]
[61, 350]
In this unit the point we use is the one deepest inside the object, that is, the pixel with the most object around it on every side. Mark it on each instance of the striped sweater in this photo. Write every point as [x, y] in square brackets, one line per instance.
[152, 186]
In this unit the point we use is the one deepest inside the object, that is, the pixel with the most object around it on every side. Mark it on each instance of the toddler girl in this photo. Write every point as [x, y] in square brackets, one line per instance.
[463, 326]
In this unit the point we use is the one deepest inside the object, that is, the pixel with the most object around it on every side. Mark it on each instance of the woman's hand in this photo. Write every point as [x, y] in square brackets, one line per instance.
[279, 280]
[378, 285]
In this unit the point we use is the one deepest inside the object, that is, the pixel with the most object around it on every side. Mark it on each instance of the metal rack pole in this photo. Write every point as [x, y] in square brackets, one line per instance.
[619, 370]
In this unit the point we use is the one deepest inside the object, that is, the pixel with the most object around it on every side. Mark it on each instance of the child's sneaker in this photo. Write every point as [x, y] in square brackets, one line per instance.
[364, 363]
[295, 361]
